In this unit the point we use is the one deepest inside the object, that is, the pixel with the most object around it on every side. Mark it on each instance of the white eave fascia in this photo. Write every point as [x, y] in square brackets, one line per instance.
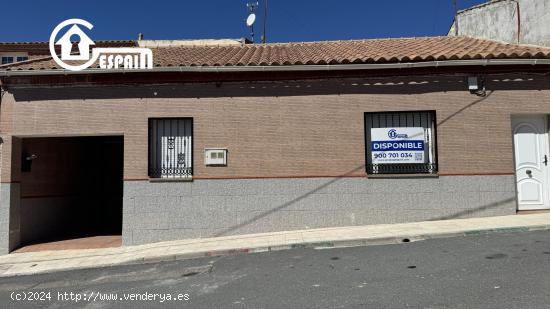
[287, 68]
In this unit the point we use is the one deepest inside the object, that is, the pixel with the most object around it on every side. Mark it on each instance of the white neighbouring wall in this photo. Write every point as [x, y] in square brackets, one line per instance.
[498, 20]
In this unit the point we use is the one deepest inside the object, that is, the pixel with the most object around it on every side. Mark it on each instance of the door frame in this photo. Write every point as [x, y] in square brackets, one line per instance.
[15, 239]
[546, 177]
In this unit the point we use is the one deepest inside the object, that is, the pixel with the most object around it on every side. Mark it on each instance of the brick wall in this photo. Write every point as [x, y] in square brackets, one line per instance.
[280, 129]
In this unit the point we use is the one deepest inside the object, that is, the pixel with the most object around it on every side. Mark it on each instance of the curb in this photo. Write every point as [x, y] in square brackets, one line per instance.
[318, 245]
[360, 242]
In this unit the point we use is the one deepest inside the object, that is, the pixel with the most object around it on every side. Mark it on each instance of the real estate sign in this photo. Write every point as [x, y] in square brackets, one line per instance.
[397, 145]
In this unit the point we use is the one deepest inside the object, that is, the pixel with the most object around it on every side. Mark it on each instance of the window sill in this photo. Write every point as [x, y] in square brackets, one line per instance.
[385, 176]
[182, 179]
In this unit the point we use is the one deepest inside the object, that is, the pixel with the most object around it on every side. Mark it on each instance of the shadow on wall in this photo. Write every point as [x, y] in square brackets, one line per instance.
[388, 85]
[289, 203]
[475, 210]
[489, 93]
[460, 214]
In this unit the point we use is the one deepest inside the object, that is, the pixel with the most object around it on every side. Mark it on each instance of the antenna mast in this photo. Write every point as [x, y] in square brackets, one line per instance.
[251, 18]
[265, 21]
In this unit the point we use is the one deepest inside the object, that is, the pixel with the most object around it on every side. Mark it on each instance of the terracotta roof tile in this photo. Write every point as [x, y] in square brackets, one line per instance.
[329, 52]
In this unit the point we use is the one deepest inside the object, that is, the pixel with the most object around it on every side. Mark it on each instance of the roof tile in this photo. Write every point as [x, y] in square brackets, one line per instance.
[328, 52]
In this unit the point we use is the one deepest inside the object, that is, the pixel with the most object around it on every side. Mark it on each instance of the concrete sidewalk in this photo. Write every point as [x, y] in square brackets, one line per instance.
[51, 261]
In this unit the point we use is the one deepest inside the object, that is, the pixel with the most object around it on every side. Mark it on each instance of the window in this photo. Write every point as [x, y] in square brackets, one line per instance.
[170, 148]
[7, 59]
[11, 58]
[401, 142]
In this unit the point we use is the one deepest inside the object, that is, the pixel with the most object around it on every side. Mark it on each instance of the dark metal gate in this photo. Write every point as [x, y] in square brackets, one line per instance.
[170, 148]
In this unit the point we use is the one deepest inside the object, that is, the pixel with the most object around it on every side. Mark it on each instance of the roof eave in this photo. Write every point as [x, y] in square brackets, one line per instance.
[287, 68]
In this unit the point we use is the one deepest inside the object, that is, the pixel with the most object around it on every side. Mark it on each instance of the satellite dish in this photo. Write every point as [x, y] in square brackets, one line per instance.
[250, 19]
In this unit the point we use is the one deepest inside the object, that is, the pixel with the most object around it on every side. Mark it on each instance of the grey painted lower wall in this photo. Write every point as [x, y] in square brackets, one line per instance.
[4, 217]
[159, 211]
[9, 217]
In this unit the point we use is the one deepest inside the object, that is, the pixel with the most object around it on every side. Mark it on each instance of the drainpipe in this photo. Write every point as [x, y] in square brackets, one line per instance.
[518, 20]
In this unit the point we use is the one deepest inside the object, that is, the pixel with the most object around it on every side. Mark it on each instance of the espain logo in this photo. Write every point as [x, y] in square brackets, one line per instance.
[393, 134]
[109, 58]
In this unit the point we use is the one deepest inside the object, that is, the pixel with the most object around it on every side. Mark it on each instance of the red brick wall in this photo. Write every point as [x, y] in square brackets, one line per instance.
[309, 128]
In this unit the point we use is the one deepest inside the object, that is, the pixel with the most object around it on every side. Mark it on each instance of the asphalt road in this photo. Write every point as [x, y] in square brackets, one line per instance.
[489, 271]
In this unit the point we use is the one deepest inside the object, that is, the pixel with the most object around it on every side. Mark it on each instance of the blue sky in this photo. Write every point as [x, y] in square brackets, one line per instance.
[289, 20]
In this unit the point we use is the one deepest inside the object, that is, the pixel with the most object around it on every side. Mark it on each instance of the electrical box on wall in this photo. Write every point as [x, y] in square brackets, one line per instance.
[215, 156]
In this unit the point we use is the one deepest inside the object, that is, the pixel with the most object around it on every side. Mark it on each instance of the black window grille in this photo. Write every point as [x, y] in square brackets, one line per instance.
[170, 147]
[423, 119]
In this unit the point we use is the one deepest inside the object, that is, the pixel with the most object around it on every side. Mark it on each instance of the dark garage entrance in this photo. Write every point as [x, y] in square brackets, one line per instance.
[71, 188]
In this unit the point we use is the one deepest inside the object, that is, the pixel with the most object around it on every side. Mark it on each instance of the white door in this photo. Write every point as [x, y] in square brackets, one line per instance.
[531, 156]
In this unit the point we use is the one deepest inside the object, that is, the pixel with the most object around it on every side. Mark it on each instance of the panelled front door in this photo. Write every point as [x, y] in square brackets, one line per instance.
[531, 157]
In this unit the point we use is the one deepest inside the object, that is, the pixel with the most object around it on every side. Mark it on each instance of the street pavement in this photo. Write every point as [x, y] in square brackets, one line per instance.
[486, 271]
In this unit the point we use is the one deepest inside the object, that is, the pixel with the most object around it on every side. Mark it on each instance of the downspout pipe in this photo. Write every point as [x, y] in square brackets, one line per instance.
[518, 21]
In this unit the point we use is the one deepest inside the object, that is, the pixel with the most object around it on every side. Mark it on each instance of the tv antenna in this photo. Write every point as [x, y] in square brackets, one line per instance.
[264, 39]
[251, 19]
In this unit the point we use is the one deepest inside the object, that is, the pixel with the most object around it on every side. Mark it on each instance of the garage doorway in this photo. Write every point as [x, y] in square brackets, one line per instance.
[71, 191]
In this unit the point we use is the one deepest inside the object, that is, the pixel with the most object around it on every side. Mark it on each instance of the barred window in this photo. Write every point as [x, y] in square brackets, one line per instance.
[170, 147]
[401, 142]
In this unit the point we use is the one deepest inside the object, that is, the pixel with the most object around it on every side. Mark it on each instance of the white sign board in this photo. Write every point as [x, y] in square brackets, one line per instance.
[397, 145]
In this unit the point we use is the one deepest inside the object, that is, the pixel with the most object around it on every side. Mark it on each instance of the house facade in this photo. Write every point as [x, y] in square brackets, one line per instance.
[224, 140]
